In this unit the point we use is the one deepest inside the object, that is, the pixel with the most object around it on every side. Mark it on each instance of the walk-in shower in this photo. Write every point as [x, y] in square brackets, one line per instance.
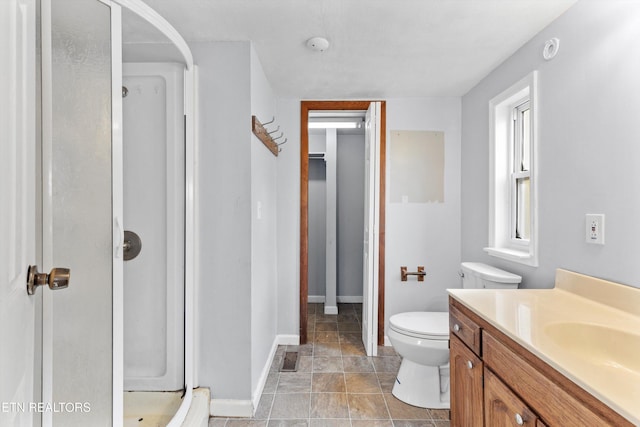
[156, 352]
[118, 209]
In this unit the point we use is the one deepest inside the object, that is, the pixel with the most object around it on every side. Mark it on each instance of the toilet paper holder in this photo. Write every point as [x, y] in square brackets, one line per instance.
[420, 273]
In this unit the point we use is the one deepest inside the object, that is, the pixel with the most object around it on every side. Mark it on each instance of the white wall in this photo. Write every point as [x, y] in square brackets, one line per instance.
[588, 145]
[263, 228]
[425, 234]
[434, 240]
[224, 183]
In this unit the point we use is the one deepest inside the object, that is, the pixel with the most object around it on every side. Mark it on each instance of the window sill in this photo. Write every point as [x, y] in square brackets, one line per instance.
[515, 255]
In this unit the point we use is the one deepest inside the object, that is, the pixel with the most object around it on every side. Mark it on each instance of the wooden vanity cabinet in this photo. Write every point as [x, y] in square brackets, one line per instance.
[466, 371]
[496, 382]
[466, 393]
[465, 329]
[502, 407]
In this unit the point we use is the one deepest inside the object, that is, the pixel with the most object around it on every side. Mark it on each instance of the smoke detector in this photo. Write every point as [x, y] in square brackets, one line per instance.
[319, 44]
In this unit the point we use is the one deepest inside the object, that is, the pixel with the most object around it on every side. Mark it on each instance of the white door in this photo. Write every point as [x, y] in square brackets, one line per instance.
[17, 211]
[73, 342]
[371, 227]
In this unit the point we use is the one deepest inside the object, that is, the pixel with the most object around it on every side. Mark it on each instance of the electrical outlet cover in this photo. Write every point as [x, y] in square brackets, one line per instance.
[594, 228]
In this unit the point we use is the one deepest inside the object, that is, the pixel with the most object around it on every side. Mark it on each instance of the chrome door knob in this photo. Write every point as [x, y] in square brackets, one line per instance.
[456, 328]
[519, 419]
[58, 278]
[469, 364]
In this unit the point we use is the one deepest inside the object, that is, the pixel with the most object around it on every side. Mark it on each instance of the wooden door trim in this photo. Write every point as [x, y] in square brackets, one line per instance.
[305, 107]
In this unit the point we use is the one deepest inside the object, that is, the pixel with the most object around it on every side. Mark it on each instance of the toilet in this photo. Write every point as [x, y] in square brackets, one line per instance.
[422, 340]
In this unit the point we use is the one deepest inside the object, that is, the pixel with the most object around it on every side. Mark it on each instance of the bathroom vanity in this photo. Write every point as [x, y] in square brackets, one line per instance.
[566, 356]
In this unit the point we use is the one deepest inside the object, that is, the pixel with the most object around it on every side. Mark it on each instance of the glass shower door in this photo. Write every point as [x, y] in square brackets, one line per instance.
[77, 213]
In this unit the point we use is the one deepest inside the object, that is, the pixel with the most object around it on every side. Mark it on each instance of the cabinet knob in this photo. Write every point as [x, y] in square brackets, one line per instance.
[456, 327]
[469, 364]
[519, 419]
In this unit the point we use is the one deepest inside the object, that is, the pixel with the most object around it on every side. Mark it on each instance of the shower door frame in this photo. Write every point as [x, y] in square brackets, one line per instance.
[190, 262]
[190, 111]
[48, 326]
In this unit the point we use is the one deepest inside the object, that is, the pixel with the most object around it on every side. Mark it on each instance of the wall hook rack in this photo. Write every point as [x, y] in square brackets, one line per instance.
[281, 143]
[264, 135]
[273, 119]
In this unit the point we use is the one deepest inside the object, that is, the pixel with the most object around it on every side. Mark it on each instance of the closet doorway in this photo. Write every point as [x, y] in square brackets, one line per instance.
[377, 159]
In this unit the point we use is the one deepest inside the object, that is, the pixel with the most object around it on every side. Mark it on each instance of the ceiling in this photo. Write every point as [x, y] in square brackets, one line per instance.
[378, 48]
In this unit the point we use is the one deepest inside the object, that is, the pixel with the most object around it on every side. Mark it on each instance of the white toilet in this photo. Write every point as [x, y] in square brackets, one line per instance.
[422, 339]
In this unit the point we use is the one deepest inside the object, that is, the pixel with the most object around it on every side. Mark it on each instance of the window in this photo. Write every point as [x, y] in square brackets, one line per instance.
[521, 172]
[512, 204]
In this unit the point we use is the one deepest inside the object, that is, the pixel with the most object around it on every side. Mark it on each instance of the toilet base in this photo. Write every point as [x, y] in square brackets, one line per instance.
[420, 385]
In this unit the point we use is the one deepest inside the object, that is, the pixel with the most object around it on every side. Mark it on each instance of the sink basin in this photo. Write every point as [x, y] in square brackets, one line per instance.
[615, 350]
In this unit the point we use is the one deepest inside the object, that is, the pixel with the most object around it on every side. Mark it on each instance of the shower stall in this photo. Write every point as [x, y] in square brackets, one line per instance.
[153, 153]
[118, 177]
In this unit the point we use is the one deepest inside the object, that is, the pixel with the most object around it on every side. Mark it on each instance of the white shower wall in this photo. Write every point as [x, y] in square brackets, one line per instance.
[154, 209]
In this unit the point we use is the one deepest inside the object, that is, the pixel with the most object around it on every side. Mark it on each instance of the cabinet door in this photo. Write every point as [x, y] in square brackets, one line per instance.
[502, 407]
[466, 386]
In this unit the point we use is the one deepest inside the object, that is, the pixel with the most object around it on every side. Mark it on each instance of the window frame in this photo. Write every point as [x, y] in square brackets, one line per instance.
[505, 147]
[516, 146]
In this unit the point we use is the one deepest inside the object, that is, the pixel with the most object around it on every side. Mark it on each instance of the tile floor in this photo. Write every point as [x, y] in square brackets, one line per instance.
[336, 384]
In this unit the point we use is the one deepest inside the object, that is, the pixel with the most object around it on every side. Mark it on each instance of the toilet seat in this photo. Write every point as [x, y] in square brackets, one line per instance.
[425, 325]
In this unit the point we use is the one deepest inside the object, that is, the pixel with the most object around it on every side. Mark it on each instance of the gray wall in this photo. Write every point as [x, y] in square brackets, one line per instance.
[237, 277]
[588, 145]
[288, 221]
[317, 227]
[317, 216]
[264, 279]
[224, 211]
[350, 213]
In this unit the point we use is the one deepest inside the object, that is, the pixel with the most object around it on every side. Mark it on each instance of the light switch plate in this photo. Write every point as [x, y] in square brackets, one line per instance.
[594, 228]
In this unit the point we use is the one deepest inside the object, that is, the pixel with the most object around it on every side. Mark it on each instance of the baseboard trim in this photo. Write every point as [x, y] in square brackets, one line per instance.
[246, 408]
[231, 408]
[387, 341]
[288, 339]
[346, 299]
[330, 309]
[278, 340]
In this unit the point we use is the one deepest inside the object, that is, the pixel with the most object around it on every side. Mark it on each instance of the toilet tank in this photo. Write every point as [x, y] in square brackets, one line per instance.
[476, 275]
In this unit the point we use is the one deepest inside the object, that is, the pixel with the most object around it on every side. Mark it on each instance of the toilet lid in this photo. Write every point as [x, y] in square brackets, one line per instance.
[434, 325]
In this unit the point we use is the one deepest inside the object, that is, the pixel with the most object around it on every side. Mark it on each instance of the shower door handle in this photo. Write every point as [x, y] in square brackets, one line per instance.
[132, 245]
[58, 278]
[118, 238]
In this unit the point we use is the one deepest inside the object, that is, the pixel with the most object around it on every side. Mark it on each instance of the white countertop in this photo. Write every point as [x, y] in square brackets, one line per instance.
[586, 328]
